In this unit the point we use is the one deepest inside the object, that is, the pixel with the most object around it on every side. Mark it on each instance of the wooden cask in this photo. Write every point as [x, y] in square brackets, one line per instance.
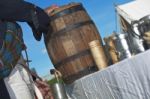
[67, 44]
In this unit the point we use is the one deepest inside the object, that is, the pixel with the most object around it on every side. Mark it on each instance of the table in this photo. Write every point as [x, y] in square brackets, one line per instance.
[128, 79]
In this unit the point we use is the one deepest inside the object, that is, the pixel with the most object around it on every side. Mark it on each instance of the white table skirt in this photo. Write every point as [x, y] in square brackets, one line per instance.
[128, 79]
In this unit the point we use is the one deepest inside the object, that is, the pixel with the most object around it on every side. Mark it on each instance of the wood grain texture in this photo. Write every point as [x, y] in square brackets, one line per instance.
[70, 43]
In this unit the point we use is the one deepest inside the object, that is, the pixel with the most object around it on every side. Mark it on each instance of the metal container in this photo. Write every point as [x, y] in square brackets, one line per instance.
[122, 46]
[58, 91]
[136, 40]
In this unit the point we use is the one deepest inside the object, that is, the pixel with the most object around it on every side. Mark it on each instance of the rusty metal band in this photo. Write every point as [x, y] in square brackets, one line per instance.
[67, 29]
[67, 11]
[71, 58]
[85, 71]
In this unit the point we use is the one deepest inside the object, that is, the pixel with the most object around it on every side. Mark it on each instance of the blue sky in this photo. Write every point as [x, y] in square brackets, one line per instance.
[101, 11]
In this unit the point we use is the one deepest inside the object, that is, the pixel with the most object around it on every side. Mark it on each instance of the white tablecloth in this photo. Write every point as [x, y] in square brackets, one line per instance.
[128, 79]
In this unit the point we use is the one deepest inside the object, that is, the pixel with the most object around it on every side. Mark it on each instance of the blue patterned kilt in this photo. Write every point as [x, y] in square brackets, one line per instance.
[11, 48]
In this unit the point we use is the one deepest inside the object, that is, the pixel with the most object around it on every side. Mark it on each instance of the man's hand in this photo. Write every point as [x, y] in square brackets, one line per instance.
[51, 9]
[147, 37]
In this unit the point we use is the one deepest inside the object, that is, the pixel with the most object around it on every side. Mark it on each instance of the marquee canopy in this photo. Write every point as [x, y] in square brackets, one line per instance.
[134, 10]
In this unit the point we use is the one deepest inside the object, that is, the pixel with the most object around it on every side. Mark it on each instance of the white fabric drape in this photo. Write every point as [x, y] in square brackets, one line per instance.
[134, 10]
[20, 84]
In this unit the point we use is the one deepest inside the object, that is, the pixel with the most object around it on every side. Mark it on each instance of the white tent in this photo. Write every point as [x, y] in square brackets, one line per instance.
[134, 10]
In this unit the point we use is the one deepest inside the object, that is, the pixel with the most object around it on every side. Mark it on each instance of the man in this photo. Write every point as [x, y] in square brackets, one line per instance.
[20, 10]
[13, 83]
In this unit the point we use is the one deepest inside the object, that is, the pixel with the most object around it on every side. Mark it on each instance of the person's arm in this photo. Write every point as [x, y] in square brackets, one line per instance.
[15, 10]
[19, 10]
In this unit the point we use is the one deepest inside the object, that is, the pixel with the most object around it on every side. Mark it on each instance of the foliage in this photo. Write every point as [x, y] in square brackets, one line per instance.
[54, 80]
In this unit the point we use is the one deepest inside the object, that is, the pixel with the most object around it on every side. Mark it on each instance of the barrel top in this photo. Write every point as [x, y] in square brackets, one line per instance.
[61, 8]
[94, 43]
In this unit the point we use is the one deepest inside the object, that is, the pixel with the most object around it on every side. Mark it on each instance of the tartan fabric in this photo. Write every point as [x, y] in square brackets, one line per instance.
[11, 48]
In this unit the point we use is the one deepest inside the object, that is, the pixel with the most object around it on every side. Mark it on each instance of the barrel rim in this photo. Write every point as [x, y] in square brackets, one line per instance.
[67, 29]
[71, 5]
[72, 57]
[66, 11]
[88, 70]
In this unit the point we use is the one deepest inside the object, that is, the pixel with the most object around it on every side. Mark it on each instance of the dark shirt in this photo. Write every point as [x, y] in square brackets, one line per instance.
[20, 10]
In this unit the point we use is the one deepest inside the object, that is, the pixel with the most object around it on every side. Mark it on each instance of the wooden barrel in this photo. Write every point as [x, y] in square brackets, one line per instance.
[67, 44]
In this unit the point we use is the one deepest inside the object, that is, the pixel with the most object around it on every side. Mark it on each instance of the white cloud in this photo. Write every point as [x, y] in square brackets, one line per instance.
[44, 51]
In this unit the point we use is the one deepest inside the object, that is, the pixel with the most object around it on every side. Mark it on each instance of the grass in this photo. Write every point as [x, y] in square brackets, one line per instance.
[54, 80]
